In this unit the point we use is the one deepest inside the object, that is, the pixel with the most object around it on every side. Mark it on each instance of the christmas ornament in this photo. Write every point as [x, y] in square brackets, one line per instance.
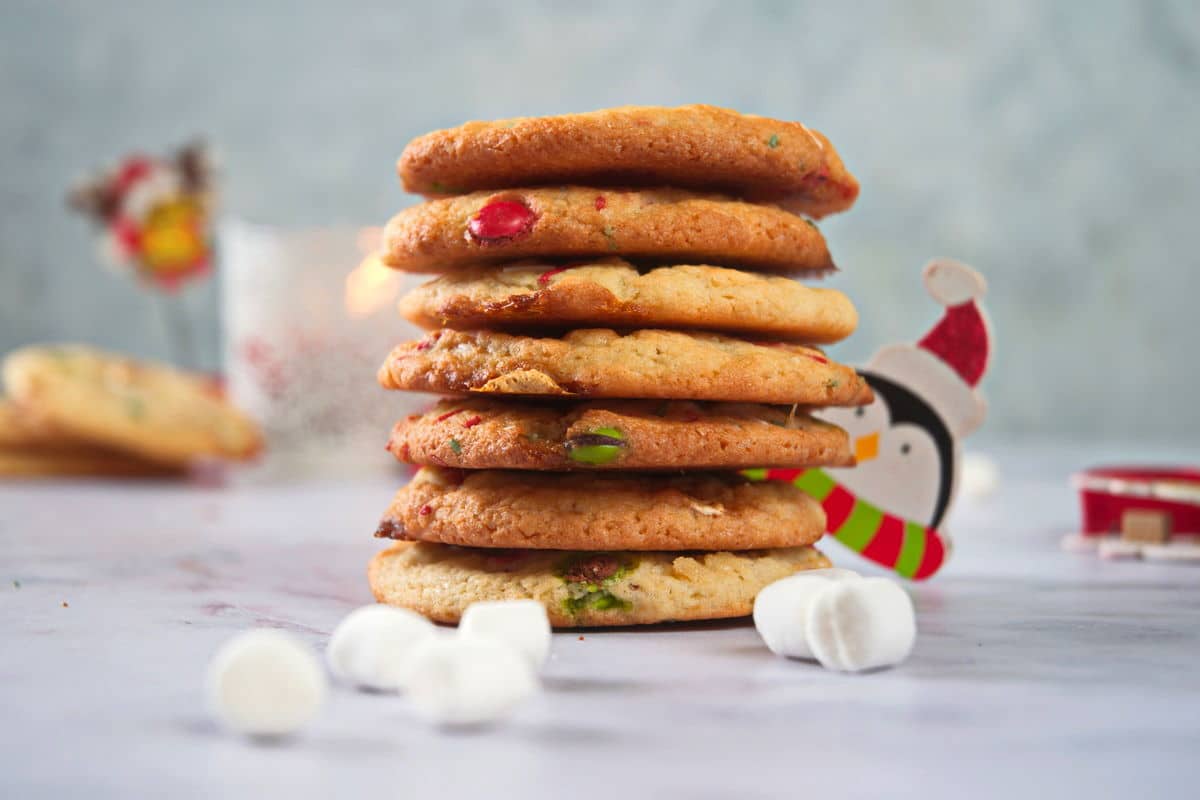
[155, 214]
[891, 507]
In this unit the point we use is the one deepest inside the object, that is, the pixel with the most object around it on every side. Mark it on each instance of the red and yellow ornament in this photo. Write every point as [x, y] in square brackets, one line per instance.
[156, 215]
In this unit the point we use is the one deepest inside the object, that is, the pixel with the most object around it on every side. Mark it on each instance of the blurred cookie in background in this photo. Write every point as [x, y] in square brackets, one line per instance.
[94, 463]
[32, 448]
[22, 430]
[98, 407]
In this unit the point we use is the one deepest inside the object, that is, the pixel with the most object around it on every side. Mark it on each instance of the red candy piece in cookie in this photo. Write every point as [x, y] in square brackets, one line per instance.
[500, 220]
[545, 277]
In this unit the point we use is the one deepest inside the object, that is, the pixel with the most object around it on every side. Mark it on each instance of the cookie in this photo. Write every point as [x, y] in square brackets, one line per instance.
[148, 410]
[601, 511]
[32, 463]
[482, 433]
[694, 147]
[600, 363]
[583, 589]
[614, 293]
[569, 222]
[21, 429]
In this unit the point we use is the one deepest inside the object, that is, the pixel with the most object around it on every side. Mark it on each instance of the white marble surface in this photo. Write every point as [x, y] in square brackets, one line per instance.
[1037, 673]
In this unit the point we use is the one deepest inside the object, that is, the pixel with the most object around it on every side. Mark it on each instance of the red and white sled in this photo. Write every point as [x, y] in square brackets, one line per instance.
[1107, 494]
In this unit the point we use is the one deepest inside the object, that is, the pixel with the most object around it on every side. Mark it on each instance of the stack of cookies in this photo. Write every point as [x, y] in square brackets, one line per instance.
[78, 411]
[618, 339]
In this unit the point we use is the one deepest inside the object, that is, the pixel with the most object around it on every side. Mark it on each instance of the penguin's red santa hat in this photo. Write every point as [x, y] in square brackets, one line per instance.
[945, 366]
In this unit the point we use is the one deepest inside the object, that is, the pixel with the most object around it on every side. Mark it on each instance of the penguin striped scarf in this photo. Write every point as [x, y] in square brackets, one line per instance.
[914, 550]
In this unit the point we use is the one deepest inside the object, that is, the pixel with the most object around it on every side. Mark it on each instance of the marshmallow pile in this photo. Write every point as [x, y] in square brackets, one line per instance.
[838, 618]
[266, 683]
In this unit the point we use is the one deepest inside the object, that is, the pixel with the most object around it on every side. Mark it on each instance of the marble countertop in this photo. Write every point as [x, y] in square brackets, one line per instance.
[1036, 671]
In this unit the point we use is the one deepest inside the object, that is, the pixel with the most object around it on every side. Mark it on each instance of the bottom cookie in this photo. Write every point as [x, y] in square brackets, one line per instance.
[583, 589]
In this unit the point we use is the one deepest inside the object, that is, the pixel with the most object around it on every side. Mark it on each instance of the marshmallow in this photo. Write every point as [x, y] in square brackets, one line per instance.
[837, 617]
[1080, 543]
[265, 683]
[1114, 548]
[780, 610]
[860, 625]
[523, 624]
[469, 680]
[1181, 551]
[979, 478]
[372, 646]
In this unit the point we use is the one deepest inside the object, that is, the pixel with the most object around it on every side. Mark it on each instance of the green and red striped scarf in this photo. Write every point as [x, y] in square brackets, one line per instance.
[913, 550]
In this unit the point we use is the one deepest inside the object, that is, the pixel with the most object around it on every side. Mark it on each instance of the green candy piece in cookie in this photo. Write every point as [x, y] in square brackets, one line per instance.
[588, 578]
[610, 237]
[596, 447]
[598, 600]
[135, 407]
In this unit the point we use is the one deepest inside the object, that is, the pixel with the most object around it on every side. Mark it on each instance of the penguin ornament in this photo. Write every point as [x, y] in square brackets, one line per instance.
[891, 507]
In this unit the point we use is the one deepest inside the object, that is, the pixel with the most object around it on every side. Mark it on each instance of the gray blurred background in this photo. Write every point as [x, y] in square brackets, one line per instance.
[1055, 146]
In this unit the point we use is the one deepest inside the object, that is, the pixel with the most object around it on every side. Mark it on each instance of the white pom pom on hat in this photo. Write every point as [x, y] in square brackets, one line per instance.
[952, 282]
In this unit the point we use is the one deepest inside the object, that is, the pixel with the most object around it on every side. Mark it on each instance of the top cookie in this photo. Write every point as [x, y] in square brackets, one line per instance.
[613, 293]
[600, 363]
[147, 409]
[695, 147]
[660, 225]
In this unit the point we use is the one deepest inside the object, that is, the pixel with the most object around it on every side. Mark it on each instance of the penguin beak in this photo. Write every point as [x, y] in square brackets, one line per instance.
[866, 447]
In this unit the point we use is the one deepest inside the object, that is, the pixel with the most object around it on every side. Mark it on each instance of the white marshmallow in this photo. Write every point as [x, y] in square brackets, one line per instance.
[1079, 543]
[1181, 551]
[521, 623]
[781, 609]
[979, 478]
[469, 680]
[373, 645]
[265, 683]
[1114, 548]
[860, 625]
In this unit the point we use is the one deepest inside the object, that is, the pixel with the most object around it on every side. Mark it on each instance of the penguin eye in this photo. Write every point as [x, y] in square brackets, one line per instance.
[860, 412]
[905, 449]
